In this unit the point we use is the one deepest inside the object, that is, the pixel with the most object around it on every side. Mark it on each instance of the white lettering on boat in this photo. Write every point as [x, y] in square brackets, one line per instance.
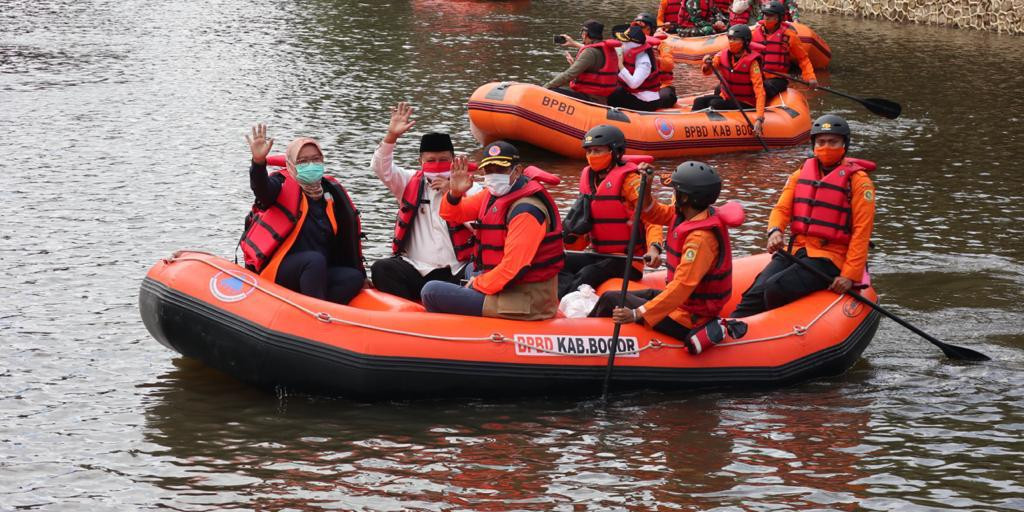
[558, 345]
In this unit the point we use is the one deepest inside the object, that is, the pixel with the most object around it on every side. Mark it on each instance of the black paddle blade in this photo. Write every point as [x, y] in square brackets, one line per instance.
[883, 107]
[962, 354]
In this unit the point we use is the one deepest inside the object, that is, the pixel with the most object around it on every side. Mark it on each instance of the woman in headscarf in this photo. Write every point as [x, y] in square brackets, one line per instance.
[303, 232]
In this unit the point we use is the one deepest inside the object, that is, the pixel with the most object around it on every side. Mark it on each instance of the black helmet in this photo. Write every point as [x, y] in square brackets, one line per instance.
[831, 123]
[775, 7]
[740, 31]
[698, 181]
[606, 135]
[647, 19]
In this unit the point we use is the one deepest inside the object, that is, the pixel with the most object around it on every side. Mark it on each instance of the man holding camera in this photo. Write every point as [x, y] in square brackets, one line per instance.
[593, 72]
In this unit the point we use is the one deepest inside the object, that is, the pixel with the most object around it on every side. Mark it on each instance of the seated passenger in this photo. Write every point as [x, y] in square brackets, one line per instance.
[303, 232]
[592, 74]
[664, 63]
[425, 247]
[700, 18]
[519, 231]
[639, 79]
[829, 206]
[740, 67]
[699, 280]
[612, 187]
[782, 47]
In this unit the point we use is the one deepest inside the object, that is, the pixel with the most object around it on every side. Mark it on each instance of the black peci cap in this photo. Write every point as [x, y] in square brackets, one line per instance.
[436, 142]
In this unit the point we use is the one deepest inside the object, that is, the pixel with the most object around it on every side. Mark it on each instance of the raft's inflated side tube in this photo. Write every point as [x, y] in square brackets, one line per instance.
[558, 123]
[207, 308]
[691, 50]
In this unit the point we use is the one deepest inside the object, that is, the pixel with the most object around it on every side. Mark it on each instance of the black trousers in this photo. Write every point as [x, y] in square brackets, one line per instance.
[591, 270]
[624, 99]
[716, 102]
[398, 277]
[773, 87]
[782, 282]
[307, 273]
[610, 300]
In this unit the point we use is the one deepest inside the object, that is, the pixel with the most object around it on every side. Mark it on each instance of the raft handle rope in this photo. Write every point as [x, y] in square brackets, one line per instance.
[496, 337]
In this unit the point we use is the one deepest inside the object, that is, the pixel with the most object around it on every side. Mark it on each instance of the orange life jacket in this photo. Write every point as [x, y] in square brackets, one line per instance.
[462, 238]
[776, 46]
[492, 230]
[821, 205]
[612, 219]
[653, 80]
[738, 75]
[603, 81]
[715, 288]
[270, 232]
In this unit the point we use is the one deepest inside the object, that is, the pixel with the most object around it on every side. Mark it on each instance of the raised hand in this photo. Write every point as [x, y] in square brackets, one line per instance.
[461, 179]
[401, 122]
[259, 144]
[439, 184]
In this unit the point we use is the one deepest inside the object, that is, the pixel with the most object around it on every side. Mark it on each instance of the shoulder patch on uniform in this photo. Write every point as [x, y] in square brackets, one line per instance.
[690, 255]
[869, 195]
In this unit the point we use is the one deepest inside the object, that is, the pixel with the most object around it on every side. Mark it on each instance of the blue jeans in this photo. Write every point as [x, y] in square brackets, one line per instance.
[307, 272]
[442, 297]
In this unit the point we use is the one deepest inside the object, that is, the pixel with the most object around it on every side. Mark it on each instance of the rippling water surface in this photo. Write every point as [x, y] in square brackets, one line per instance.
[122, 122]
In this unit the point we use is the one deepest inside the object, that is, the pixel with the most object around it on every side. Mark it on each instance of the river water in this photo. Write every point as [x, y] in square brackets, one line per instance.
[122, 124]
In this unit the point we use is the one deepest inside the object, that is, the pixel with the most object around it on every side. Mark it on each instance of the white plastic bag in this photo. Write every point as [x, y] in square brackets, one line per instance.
[578, 304]
[740, 6]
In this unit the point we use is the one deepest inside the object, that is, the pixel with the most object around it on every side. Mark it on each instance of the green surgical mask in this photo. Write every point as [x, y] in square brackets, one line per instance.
[309, 172]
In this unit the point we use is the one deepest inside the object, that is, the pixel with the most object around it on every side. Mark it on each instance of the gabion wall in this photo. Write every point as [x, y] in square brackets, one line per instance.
[1003, 16]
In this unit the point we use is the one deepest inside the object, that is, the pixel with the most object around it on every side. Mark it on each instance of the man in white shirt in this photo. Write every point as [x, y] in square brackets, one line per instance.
[639, 80]
[425, 246]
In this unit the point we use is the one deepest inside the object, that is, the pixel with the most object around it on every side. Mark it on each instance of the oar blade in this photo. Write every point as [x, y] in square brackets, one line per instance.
[883, 107]
[962, 353]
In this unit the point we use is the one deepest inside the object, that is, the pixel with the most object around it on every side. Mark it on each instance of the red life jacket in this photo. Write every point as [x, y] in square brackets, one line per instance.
[603, 81]
[776, 46]
[821, 206]
[462, 238]
[722, 6]
[741, 18]
[266, 229]
[715, 288]
[673, 11]
[612, 219]
[492, 229]
[653, 80]
[686, 21]
[738, 76]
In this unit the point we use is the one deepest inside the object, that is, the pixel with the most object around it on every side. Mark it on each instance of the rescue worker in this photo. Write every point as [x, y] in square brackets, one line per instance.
[593, 72]
[639, 81]
[740, 67]
[519, 251]
[782, 47]
[829, 206]
[425, 247]
[699, 280]
[669, 12]
[663, 60]
[303, 232]
[612, 187]
[792, 12]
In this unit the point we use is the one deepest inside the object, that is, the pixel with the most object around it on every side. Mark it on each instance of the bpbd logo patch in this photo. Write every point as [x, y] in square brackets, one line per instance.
[232, 288]
[664, 127]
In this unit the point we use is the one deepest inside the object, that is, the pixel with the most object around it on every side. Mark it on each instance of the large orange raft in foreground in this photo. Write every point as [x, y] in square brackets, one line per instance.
[691, 50]
[380, 346]
[556, 122]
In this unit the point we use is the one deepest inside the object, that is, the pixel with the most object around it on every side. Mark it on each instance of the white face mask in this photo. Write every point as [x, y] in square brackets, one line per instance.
[498, 184]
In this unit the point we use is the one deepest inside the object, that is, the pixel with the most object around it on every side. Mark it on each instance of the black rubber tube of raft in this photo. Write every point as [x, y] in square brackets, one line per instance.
[951, 351]
[634, 233]
[736, 101]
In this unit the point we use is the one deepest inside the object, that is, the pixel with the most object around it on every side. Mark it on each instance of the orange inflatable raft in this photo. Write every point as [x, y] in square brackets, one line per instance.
[691, 50]
[381, 346]
[556, 122]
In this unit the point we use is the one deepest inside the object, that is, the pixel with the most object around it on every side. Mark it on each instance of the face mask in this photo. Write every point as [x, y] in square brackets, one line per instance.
[309, 173]
[829, 156]
[600, 162]
[498, 184]
[771, 24]
[431, 176]
[436, 167]
[735, 47]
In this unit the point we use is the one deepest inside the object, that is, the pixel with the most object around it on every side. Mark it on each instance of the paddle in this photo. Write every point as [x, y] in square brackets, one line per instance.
[952, 351]
[634, 233]
[879, 106]
[736, 102]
